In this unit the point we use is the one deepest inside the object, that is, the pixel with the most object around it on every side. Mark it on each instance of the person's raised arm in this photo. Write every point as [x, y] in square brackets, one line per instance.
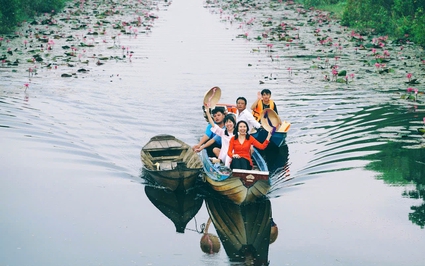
[265, 143]
[210, 120]
[254, 104]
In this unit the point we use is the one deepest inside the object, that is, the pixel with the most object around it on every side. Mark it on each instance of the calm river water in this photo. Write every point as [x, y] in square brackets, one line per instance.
[71, 192]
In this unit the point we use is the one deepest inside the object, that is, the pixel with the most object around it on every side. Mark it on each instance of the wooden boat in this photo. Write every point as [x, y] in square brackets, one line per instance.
[240, 186]
[179, 206]
[244, 231]
[170, 163]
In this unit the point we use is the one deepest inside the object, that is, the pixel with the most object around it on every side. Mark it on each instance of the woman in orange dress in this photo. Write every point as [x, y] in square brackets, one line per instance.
[240, 146]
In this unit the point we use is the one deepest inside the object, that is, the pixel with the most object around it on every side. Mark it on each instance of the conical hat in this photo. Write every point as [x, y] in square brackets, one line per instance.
[270, 119]
[212, 96]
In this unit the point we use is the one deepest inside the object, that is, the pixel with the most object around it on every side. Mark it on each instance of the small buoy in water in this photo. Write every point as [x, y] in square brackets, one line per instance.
[209, 243]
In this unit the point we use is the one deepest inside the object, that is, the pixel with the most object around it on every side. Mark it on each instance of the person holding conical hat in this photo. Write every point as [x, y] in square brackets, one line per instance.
[262, 103]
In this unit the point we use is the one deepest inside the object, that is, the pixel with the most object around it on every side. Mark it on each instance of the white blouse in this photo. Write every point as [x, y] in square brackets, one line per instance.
[224, 144]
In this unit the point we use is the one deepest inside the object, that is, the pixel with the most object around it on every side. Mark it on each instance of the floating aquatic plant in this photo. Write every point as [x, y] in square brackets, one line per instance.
[411, 94]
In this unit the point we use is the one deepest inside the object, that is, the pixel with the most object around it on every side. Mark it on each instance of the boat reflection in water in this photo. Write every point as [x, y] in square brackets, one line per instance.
[179, 206]
[244, 230]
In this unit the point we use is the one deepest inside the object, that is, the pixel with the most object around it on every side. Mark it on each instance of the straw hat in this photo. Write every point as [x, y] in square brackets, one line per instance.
[270, 119]
[212, 96]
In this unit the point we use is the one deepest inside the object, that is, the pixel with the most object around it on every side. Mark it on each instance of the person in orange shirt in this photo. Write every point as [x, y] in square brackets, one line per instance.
[240, 146]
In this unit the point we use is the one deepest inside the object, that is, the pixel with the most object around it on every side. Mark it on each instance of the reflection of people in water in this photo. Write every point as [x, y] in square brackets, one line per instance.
[209, 243]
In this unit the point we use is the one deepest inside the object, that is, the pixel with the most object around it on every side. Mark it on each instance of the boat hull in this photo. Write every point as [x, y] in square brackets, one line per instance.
[240, 186]
[175, 179]
[170, 163]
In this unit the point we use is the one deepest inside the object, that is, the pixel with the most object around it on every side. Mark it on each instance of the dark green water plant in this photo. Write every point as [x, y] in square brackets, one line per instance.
[12, 12]
[403, 20]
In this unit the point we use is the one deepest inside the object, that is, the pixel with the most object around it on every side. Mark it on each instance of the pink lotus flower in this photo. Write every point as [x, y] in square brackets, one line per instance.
[409, 76]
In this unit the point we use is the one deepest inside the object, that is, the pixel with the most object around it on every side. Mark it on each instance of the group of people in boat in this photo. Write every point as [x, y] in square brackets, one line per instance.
[227, 139]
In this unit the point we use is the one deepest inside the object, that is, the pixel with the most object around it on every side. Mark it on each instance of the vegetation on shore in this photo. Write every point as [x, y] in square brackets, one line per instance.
[12, 12]
[403, 20]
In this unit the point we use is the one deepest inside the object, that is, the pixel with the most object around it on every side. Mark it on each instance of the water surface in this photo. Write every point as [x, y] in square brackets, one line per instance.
[351, 192]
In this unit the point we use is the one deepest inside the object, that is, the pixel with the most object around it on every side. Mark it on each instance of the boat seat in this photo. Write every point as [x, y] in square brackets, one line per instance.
[168, 165]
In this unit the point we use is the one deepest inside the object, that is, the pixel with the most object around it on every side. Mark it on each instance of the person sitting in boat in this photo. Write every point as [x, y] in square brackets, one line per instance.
[218, 115]
[225, 134]
[245, 115]
[262, 103]
[240, 146]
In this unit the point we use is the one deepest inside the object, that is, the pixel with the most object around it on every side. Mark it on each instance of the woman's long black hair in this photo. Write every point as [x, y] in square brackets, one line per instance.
[235, 131]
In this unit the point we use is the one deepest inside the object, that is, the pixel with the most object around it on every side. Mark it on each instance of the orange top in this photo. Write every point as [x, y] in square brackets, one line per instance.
[244, 149]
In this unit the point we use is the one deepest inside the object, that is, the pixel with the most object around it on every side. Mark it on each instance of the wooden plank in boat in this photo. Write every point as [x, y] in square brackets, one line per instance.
[252, 172]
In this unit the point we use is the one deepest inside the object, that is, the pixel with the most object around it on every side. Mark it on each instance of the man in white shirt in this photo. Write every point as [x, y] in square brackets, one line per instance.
[246, 115]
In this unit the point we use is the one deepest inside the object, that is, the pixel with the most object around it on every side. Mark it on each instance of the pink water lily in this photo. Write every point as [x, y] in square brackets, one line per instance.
[409, 76]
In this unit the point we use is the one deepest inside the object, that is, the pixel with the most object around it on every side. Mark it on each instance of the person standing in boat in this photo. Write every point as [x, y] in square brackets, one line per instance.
[240, 146]
[225, 134]
[218, 114]
[243, 114]
[262, 103]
